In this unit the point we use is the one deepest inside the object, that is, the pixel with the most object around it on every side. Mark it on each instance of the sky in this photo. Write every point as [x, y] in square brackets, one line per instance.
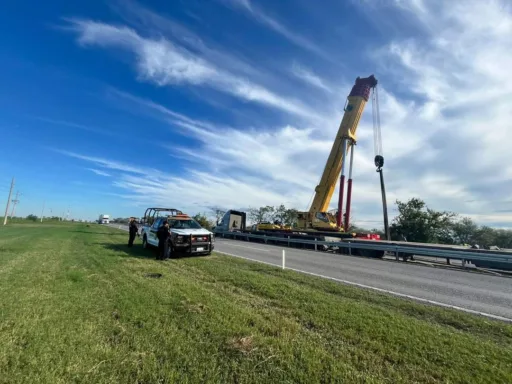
[115, 106]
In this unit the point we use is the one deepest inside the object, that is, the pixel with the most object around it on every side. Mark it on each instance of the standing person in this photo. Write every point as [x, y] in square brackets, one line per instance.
[163, 235]
[133, 229]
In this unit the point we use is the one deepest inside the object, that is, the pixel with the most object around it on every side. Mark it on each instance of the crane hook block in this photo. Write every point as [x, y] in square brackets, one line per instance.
[379, 161]
[363, 86]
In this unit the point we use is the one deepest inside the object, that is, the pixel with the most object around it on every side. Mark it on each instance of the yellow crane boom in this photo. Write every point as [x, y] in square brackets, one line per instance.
[318, 217]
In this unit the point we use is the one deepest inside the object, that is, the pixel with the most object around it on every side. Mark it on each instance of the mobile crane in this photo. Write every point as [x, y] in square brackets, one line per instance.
[318, 217]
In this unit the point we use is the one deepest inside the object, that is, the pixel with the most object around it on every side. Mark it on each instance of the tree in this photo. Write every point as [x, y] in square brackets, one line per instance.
[503, 238]
[262, 214]
[485, 236]
[418, 223]
[290, 217]
[440, 226]
[32, 217]
[279, 214]
[219, 214]
[464, 231]
[203, 221]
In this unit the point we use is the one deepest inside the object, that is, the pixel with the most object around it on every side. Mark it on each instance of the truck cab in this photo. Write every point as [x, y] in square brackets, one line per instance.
[187, 235]
[104, 219]
[233, 221]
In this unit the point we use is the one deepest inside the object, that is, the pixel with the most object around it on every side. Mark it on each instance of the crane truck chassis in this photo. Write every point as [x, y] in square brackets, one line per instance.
[236, 221]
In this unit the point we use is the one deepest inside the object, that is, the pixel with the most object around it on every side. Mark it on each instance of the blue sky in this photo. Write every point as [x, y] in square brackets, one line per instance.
[109, 107]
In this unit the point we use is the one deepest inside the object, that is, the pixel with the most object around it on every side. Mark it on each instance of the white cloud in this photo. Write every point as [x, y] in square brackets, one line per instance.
[445, 115]
[159, 24]
[165, 63]
[110, 164]
[309, 77]
[99, 172]
[461, 71]
[259, 15]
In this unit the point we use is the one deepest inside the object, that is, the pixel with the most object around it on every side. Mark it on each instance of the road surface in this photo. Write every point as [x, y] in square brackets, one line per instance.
[486, 294]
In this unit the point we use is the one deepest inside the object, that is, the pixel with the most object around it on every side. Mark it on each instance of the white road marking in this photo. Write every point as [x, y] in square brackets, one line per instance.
[496, 317]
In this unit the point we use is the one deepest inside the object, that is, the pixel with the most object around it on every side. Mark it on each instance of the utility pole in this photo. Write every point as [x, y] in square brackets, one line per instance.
[384, 202]
[42, 212]
[8, 201]
[15, 202]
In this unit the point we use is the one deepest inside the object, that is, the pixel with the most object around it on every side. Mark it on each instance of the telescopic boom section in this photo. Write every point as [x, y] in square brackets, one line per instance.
[354, 107]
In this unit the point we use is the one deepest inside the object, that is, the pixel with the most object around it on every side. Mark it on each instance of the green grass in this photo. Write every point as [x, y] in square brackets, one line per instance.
[76, 307]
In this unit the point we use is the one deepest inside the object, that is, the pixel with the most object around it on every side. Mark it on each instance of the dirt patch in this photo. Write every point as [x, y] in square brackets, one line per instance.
[197, 308]
[153, 275]
[245, 345]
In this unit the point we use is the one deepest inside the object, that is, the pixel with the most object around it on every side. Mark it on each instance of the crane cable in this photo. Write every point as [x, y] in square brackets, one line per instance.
[377, 137]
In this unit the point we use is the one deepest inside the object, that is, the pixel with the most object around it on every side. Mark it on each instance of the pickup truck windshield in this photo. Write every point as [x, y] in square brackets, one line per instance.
[184, 224]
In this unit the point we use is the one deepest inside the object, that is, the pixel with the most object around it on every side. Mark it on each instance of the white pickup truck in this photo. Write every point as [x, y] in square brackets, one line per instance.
[187, 235]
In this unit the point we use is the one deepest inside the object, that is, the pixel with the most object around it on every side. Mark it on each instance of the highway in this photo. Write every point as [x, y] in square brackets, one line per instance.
[473, 292]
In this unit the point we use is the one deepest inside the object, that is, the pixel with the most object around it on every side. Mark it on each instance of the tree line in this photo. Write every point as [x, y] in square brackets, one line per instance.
[415, 222]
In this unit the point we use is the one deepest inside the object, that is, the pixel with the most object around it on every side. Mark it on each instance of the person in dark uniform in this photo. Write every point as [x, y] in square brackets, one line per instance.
[163, 235]
[133, 230]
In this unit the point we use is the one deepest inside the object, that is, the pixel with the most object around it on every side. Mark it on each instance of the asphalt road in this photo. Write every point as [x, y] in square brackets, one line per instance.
[486, 294]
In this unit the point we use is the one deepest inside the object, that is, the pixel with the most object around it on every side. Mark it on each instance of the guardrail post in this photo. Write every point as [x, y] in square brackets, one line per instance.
[349, 248]
[288, 240]
[283, 258]
[265, 238]
[315, 244]
[463, 263]
[448, 260]
[397, 257]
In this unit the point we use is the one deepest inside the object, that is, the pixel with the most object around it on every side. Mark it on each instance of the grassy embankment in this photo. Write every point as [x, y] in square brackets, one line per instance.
[76, 306]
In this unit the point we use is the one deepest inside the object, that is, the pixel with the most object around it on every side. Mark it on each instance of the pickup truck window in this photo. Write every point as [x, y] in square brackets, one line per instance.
[157, 223]
[184, 224]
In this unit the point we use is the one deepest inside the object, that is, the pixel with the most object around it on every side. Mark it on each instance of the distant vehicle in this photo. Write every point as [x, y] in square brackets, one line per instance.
[104, 219]
[187, 235]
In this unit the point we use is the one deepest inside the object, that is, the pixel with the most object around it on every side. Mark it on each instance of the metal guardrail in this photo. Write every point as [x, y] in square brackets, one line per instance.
[396, 249]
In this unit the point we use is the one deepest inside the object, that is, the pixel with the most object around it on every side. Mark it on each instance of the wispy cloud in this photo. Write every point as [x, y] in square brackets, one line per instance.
[99, 172]
[285, 162]
[166, 64]
[309, 77]
[143, 18]
[259, 15]
[73, 125]
[110, 164]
